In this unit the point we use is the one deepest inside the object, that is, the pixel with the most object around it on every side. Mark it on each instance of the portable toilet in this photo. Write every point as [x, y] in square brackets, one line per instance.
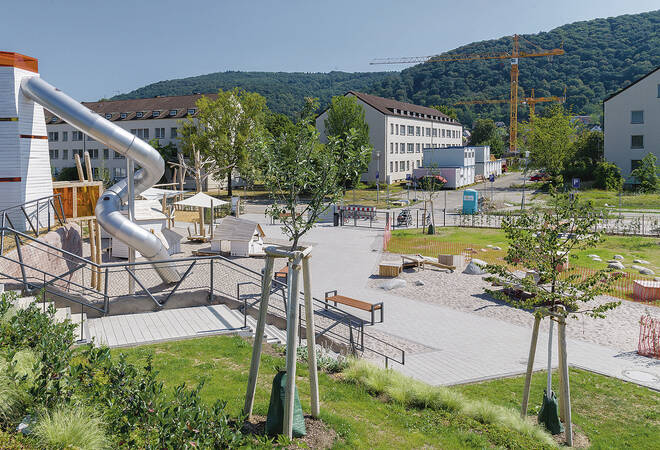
[470, 201]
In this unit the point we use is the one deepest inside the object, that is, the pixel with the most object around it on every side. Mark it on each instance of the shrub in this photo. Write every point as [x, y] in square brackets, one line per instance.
[326, 360]
[70, 427]
[12, 399]
[647, 175]
[608, 176]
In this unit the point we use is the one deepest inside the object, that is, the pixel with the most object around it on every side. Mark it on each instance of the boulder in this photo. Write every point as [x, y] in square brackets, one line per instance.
[490, 246]
[484, 249]
[475, 267]
[646, 271]
[641, 261]
[616, 265]
[593, 256]
[393, 284]
[618, 257]
[636, 267]
[495, 247]
[419, 283]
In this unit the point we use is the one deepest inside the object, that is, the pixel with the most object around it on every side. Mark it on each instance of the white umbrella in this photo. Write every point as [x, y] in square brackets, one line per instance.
[201, 200]
[158, 194]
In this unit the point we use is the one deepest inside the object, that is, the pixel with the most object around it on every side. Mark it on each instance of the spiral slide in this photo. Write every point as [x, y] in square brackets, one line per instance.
[108, 207]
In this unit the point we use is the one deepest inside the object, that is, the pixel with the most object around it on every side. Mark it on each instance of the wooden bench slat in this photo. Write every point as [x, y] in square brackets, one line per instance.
[365, 306]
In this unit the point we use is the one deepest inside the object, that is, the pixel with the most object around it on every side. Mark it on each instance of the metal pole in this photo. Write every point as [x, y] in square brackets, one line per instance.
[378, 178]
[131, 216]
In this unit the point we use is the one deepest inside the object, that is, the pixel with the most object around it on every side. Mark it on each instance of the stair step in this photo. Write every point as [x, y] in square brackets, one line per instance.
[61, 314]
[272, 334]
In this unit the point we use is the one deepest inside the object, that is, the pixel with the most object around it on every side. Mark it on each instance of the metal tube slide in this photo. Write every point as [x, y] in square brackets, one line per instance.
[109, 204]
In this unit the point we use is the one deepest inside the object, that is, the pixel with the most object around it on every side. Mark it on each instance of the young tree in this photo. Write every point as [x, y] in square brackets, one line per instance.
[543, 241]
[233, 127]
[550, 141]
[297, 164]
[608, 176]
[647, 174]
[430, 184]
[346, 118]
[446, 110]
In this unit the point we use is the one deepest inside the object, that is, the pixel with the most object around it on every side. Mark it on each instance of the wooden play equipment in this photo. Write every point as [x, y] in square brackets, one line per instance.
[297, 260]
[389, 269]
[359, 304]
[557, 315]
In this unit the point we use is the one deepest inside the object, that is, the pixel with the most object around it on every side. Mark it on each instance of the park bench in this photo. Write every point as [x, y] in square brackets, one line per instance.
[359, 304]
[282, 274]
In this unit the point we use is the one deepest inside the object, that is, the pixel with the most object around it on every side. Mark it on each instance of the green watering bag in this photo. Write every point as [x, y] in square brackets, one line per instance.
[275, 420]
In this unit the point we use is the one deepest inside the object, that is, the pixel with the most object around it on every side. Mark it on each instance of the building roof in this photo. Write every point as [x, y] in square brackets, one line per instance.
[113, 109]
[233, 229]
[631, 84]
[391, 107]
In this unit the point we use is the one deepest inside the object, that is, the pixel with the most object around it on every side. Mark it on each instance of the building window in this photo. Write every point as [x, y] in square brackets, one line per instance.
[443, 132]
[403, 130]
[53, 136]
[173, 133]
[411, 130]
[391, 147]
[108, 116]
[77, 151]
[636, 116]
[118, 155]
[417, 131]
[139, 114]
[428, 132]
[89, 138]
[54, 154]
[76, 136]
[160, 133]
[106, 153]
[418, 148]
[119, 172]
[637, 141]
[155, 113]
[65, 154]
[122, 115]
[396, 166]
[391, 128]
[93, 153]
[391, 166]
[435, 132]
[65, 136]
[411, 148]
[407, 165]
[173, 112]
[142, 133]
[635, 163]
[191, 111]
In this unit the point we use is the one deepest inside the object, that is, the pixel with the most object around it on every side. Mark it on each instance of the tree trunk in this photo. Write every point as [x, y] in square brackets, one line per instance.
[229, 190]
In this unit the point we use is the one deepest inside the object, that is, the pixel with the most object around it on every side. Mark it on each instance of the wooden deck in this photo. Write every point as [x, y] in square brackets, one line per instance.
[166, 325]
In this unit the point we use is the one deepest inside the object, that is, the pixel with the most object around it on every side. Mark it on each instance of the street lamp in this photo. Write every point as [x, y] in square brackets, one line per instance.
[377, 176]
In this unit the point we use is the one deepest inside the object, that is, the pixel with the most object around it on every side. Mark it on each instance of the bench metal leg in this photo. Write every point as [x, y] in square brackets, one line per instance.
[372, 315]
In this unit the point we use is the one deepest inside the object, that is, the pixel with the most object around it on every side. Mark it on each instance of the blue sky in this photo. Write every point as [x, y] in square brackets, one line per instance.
[91, 49]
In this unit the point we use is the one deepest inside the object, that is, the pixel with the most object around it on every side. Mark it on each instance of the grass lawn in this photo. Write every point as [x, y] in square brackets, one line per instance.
[629, 200]
[611, 413]
[630, 247]
[367, 196]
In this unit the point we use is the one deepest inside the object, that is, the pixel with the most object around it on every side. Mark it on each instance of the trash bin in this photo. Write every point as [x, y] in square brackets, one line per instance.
[335, 219]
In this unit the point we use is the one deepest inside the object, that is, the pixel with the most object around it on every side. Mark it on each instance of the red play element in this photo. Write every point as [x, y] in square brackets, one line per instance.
[649, 337]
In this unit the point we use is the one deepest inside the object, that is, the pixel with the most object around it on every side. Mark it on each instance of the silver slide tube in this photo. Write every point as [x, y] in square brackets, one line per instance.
[109, 204]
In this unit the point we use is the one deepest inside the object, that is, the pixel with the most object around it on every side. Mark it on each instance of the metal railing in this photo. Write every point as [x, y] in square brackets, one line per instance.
[33, 210]
[203, 276]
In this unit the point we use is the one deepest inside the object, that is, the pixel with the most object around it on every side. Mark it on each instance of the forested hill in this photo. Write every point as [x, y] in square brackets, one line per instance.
[284, 91]
[602, 56]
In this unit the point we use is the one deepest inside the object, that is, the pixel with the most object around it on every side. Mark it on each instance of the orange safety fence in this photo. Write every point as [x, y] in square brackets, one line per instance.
[649, 337]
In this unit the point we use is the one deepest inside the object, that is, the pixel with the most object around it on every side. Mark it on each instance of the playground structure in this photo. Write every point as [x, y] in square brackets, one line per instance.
[25, 152]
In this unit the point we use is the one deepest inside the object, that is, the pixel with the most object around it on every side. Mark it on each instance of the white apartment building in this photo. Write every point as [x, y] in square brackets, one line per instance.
[632, 123]
[149, 118]
[456, 164]
[398, 132]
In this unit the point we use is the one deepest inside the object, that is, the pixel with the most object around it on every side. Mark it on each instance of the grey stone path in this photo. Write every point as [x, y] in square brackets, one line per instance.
[465, 347]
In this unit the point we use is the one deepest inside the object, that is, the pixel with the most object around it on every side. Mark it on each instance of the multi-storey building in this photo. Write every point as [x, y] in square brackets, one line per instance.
[398, 132]
[631, 118]
[150, 118]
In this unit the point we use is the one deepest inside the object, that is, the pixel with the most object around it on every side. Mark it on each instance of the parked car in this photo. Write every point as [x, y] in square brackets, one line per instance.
[404, 218]
[541, 176]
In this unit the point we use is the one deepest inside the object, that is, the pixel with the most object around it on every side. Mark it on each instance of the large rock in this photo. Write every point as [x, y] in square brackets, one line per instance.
[475, 267]
[393, 284]
[616, 265]
[641, 261]
[636, 267]
[495, 247]
[618, 257]
[646, 271]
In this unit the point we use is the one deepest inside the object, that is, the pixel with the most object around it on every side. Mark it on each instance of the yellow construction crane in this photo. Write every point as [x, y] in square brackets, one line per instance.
[530, 101]
[513, 55]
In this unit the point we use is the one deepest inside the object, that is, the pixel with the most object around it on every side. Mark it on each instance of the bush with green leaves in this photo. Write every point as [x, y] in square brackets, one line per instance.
[646, 175]
[326, 360]
[608, 176]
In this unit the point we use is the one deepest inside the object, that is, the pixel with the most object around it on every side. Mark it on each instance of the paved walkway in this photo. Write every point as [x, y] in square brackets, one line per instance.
[464, 347]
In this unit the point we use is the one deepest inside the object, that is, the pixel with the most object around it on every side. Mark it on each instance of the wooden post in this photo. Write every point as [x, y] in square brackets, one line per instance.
[99, 255]
[291, 343]
[565, 392]
[81, 175]
[212, 220]
[311, 340]
[560, 371]
[92, 248]
[88, 166]
[259, 335]
[530, 367]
